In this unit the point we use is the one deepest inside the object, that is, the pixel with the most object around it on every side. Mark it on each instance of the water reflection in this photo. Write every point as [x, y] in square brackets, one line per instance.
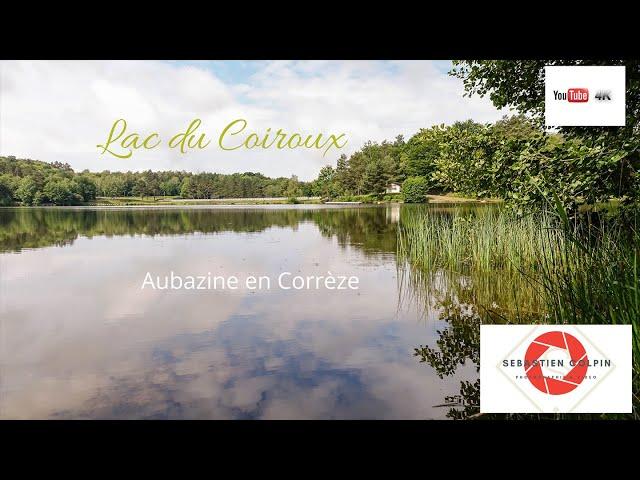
[81, 340]
[463, 297]
[458, 345]
[372, 229]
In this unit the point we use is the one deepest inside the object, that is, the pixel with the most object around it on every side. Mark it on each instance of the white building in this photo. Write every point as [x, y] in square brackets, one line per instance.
[393, 188]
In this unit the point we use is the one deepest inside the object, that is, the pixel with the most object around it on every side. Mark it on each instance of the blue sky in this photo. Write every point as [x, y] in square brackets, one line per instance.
[240, 71]
[230, 71]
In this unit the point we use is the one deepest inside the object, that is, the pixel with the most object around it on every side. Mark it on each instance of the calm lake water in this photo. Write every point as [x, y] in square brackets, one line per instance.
[79, 338]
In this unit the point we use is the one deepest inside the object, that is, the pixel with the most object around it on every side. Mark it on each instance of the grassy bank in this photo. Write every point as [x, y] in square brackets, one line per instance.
[159, 201]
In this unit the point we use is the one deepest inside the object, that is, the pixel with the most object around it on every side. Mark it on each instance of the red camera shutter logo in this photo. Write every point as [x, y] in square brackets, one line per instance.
[578, 95]
[575, 350]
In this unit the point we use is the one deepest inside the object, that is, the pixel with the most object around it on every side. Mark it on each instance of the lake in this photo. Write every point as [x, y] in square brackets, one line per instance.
[80, 338]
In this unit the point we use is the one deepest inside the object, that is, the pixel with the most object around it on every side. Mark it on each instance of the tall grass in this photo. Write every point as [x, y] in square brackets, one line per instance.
[482, 256]
[486, 239]
[541, 268]
[595, 279]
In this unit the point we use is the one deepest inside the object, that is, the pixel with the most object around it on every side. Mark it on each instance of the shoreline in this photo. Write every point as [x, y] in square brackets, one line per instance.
[165, 202]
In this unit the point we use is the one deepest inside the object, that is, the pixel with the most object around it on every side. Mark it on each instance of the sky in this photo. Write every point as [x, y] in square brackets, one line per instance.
[61, 110]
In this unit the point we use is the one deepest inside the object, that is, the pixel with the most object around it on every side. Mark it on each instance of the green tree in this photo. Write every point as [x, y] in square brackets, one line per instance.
[186, 189]
[6, 189]
[324, 185]
[465, 153]
[62, 191]
[26, 191]
[141, 188]
[374, 177]
[293, 187]
[343, 180]
[601, 161]
[415, 189]
[86, 187]
[420, 153]
[171, 186]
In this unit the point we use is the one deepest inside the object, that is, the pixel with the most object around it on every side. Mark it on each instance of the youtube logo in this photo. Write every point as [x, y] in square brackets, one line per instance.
[573, 95]
[578, 95]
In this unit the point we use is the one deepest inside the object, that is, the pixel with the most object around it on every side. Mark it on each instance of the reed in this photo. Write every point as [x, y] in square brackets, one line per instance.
[595, 279]
[487, 239]
[541, 268]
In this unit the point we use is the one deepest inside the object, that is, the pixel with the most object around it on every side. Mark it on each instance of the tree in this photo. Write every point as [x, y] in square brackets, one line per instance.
[464, 161]
[6, 190]
[342, 176]
[62, 191]
[125, 184]
[604, 161]
[324, 185]
[152, 184]
[415, 189]
[389, 169]
[374, 178]
[171, 186]
[26, 191]
[86, 187]
[293, 187]
[141, 188]
[186, 189]
[420, 153]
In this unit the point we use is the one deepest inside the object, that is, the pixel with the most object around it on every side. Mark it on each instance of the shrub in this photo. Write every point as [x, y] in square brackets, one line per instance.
[415, 190]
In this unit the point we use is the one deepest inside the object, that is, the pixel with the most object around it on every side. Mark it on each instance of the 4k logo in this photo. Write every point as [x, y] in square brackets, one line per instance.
[603, 95]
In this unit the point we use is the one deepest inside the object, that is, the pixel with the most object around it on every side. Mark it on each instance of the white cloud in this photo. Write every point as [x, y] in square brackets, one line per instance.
[60, 111]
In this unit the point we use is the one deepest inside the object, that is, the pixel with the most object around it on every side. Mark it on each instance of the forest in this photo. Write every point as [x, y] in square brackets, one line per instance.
[33, 182]
[512, 159]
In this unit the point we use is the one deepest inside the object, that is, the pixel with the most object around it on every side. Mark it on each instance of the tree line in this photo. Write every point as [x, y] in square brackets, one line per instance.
[33, 182]
[516, 159]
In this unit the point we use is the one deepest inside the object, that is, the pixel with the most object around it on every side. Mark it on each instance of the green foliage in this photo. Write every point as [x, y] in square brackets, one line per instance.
[369, 170]
[374, 177]
[368, 198]
[326, 184]
[171, 187]
[86, 187]
[62, 191]
[595, 162]
[25, 181]
[465, 161]
[515, 159]
[393, 197]
[293, 188]
[422, 151]
[26, 191]
[415, 190]
[6, 190]
[35, 183]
